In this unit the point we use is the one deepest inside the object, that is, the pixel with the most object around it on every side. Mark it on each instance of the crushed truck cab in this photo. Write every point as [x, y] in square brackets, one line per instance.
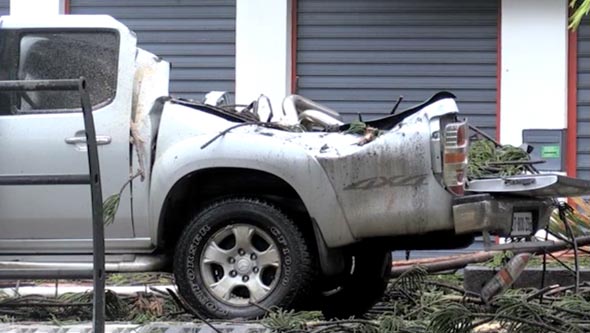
[249, 209]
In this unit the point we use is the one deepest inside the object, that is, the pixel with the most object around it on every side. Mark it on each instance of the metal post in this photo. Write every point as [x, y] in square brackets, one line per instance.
[98, 315]
[93, 179]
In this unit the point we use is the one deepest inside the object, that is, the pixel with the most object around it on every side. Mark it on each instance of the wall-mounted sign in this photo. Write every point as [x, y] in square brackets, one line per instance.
[548, 145]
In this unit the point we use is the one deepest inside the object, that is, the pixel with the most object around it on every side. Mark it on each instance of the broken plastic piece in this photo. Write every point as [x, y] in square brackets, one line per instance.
[505, 277]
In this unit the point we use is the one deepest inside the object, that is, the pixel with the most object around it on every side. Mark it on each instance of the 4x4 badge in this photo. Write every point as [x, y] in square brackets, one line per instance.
[393, 181]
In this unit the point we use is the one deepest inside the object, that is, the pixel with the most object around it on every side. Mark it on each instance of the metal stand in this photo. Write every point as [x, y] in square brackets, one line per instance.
[92, 179]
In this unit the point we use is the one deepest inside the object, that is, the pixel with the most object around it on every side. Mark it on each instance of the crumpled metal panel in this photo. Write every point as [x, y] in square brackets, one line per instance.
[179, 327]
[387, 187]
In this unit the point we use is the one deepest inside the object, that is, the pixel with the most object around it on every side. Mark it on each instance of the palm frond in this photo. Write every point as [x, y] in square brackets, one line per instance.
[110, 207]
[411, 281]
[573, 307]
[581, 9]
[513, 312]
[454, 318]
[576, 216]
[280, 320]
[111, 204]
[391, 323]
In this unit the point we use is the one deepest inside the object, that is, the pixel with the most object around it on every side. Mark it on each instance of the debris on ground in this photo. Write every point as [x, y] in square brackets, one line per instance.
[577, 216]
[139, 307]
[73, 307]
[414, 302]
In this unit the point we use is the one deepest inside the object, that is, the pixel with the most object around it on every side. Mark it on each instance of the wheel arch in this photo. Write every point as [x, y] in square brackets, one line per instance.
[201, 188]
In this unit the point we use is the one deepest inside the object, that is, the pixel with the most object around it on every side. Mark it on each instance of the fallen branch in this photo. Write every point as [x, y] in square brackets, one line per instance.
[457, 262]
[44, 304]
[424, 261]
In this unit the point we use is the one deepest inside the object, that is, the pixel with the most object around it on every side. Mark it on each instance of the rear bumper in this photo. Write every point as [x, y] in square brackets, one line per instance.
[484, 212]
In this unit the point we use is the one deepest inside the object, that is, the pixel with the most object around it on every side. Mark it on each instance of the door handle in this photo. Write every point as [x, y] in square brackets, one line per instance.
[100, 140]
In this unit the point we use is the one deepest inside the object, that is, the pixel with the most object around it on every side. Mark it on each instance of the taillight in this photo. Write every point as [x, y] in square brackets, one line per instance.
[455, 157]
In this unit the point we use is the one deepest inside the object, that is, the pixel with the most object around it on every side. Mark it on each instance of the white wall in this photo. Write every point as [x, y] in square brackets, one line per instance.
[534, 67]
[263, 47]
[37, 7]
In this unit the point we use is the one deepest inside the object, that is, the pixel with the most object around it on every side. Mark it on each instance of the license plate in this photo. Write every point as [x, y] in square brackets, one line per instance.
[522, 224]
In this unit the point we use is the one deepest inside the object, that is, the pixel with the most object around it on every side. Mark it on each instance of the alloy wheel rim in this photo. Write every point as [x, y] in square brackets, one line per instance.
[240, 264]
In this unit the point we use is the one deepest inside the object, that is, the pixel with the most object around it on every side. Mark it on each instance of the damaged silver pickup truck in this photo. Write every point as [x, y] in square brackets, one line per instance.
[294, 210]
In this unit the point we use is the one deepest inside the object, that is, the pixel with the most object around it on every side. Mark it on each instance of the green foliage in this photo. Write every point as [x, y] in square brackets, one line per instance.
[280, 320]
[111, 204]
[74, 307]
[581, 9]
[114, 306]
[135, 279]
[110, 207]
[573, 307]
[369, 133]
[484, 158]
[500, 259]
[518, 314]
[455, 278]
[518, 309]
[411, 281]
[454, 318]
[576, 216]
[356, 127]
[391, 323]
[414, 303]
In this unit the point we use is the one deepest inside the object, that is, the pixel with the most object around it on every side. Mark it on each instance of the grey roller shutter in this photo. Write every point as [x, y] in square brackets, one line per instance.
[196, 36]
[359, 56]
[4, 7]
[583, 104]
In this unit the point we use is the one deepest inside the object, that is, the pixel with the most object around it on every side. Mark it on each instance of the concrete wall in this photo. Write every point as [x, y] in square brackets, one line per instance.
[533, 60]
[534, 67]
[37, 7]
[263, 50]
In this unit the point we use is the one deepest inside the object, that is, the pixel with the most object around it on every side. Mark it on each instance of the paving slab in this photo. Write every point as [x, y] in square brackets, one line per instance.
[157, 327]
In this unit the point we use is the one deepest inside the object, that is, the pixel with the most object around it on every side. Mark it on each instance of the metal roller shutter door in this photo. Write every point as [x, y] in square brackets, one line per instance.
[359, 56]
[583, 104]
[197, 37]
[4, 7]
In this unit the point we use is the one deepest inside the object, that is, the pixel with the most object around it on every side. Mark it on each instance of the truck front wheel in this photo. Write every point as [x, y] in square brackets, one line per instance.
[239, 256]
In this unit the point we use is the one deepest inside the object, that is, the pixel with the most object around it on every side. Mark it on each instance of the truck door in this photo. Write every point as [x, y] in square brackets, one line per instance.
[43, 133]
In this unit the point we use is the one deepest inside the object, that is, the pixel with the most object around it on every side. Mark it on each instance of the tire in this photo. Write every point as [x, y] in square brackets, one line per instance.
[362, 285]
[219, 280]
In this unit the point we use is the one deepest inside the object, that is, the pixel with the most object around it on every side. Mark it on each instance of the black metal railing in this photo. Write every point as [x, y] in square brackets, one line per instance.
[92, 179]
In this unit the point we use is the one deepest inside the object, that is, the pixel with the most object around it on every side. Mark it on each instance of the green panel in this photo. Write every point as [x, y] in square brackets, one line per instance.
[552, 151]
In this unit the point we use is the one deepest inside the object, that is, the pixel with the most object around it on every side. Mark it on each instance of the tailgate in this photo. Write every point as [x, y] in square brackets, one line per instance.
[540, 186]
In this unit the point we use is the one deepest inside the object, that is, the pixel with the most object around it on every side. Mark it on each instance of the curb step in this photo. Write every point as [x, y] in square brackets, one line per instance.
[135, 328]
[475, 277]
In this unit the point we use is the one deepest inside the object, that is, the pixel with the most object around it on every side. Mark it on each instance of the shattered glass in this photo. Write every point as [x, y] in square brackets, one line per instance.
[43, 55]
